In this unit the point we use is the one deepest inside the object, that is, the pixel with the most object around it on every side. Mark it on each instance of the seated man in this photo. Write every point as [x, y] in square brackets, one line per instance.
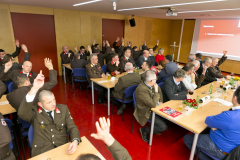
[114, 65]
[224, 134]
[94, 70]
[148, 95]
[191, 58]
[124, 82]
[170, 65]
[207, 62]
[173, 87]
[3, 88]
[146, 66]
[160, 55]
[66, 57]
[103, 133]
[214, 70]
[97, 46]
[199, 58]
[164, 72]
[51, 122]
[142, 58]
[15, 54]
[152, 58]
[199, 78]
[83, 53]
[127, 58]
[24, 86]
[5, 138]
[189, 80]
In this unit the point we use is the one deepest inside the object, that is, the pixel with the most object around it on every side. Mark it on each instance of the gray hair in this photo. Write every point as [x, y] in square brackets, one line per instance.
[207, 59]
[128, 66]
[44, 93]
[196, 63]
[160, 49]
[214, 59]
[92, 55]
[150, 75]
[192, 57]
[180, 73]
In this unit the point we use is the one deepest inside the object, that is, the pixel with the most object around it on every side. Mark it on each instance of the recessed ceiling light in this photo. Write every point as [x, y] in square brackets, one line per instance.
[171, 5]
[79, 4]
[211, 10]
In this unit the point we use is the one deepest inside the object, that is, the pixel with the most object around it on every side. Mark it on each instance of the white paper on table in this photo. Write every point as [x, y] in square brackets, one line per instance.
[226, 103]
[107, 80]
[4, 102]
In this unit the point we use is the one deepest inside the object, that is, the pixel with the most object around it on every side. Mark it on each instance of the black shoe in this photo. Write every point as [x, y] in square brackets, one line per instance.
[70, 82]
[120, 110]
[99, 101]
[144, 135]
[80, 86]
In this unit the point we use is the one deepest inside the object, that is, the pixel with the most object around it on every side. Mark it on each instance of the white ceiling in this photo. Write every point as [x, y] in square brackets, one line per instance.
[106, 6]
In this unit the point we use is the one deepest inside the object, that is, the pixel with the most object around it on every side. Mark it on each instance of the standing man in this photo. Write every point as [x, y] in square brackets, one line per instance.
[94, 70]
[142, 58]
[51, 122]
[148, 95]
[66, 57]
[114, 65]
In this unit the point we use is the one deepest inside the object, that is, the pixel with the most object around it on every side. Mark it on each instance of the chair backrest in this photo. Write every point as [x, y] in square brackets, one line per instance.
[214, 158]
[79, 72]
[134, 100]
[30, 135]
[160, 84]
[104, 68]
[86, 76]
[24, 123]
[9, 123]
[10, 87]
[163, 80]
[129, 91]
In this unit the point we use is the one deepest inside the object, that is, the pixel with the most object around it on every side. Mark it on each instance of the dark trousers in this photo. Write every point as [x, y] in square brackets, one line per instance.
[101, 91]
[204, 143]
[159, 125]
[68, 73]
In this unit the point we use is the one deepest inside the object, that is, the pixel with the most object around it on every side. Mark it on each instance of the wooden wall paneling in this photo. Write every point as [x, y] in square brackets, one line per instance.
[156, 33]
[186, 40]
[166, 37]
[132, 33]
[235, 67]
[148, 32]
[114, 16]
[6, 30]
[67, 28]
[31, 9]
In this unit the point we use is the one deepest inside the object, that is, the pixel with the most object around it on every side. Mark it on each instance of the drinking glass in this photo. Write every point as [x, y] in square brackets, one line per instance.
[180, 107]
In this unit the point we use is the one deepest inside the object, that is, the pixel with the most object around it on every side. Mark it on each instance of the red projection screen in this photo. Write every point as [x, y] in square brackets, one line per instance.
[211, 37]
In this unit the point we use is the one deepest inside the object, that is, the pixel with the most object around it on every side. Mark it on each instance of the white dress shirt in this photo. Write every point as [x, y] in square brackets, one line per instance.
[187, 82]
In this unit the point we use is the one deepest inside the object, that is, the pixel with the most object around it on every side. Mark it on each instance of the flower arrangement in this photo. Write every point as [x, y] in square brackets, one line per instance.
[113, 74]
[192, 103]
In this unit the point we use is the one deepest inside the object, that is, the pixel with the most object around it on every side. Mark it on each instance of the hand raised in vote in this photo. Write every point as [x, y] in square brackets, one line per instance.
[24, 47]
[75, 48]
[224, 53]
[104, 42]
[94, 41]
[156, 87]
[17, 42]
[38, 81]
[144, 43]
[72, 147]
[69, 54]
[107, 43]
[157, 41]
[48, 63]
[118, 39]
[103, 131]
[8, 65]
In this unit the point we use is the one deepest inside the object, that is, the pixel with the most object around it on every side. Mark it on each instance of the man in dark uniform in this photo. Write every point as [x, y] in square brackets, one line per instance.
[94, 70]
[97, 46]
[83, 53]
[66, 57]
[3, 88]
[145, 67]
[5, 138]
[114, 65]
[15, 54]
[51, 122]
[117, 48]
[127, 58]
[124, 82]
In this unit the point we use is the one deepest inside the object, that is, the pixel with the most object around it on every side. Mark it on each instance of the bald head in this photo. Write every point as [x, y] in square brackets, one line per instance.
[27, 66]
[47, 100]
[146, 53]
[65, 49]
[128, 67]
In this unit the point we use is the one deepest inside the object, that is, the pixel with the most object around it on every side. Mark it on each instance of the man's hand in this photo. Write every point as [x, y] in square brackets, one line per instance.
[69, 54]
[157, 41]
[16, 43]
[94, 41]
[103, 132]
[89, 49]
[75, 48]
[118, 39]
[117, 63]
[122, 41]
[48, 63]
[72, 147]
[103, 75]
[189, 96]
[107, 43]
[8, 65]
[156, 87]
[204, 70]
[192, 75]
[130, 43]
[37, 84]
[144, 43]
[224, 53]
[117, 73]
[24, 47]
[104, 43]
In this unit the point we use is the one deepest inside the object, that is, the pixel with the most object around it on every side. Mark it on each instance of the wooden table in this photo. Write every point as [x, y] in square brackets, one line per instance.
[60, 152]
[107, 84]
[64, 70]
[5, 107]
[196, 121]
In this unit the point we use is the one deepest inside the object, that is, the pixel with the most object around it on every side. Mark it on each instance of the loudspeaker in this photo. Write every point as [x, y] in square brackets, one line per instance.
[132, 22]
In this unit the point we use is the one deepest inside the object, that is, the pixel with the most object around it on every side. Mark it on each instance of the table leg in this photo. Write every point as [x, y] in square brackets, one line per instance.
[64, 72]
[152, 127]
[194, 146]
[109, 101]
[92, 92]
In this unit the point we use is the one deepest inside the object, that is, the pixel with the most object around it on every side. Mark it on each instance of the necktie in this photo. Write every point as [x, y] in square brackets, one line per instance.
[50, 114]
[128, 60]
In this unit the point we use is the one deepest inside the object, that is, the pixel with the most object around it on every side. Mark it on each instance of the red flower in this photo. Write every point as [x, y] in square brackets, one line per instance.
[194, 104]
[189, 100]
[113, 74]
[30, 75]
[193, 101]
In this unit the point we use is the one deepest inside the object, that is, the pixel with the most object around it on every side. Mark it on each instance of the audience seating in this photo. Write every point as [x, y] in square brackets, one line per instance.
[160, 84]
[104, 68]
[163, 80]
[9, 85]
[128, 93]
[78, 72]
[30, 138]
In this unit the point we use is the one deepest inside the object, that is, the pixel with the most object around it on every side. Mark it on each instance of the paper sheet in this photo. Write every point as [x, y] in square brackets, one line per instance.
[4, 102]
[226, 103]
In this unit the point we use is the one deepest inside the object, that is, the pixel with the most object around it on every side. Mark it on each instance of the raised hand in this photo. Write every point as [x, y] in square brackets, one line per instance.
[224, 53]
[157, 41]
[94, 41]
[69, 54]
[118, 39]
[48, 63]
[24, 47]
[104, 43]
[8, 65]
[38, 81]
[17, 42]
[89, 49]
[122, 41]
[144, 43]
[75, 48]
[107, 43]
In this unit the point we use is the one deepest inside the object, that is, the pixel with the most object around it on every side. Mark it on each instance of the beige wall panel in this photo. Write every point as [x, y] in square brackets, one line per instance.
[156, 33]
[67, 28]
[186, 40]
[31, 9]
[6, 31]
[115, 16]
[166, 37]
[175, 36]
[132, 33]
[4, 6]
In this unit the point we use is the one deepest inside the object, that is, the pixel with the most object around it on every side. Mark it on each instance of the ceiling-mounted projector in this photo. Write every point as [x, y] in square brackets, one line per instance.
[171, 12]
[115, 4]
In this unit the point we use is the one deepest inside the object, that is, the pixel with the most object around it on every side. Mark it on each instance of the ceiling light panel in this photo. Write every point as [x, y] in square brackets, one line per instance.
[79, 4]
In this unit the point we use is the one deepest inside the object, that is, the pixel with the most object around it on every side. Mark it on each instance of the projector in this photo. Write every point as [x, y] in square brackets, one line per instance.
[171, 13]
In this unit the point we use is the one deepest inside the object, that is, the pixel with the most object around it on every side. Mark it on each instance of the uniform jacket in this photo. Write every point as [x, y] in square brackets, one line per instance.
[64, 57]
[53, 133]
[101, 58]
[124, 82]
[136, 54]
[140, 61]
[199, 79]
[5, 138]
[93, 71]
[119, 152]
[215, 71]
[3, 88]
[16, 96]
[123, 61]
[170, 89]
[79, 63]
[111, 67]
[145, 101]
[15, 54]
[84, 56]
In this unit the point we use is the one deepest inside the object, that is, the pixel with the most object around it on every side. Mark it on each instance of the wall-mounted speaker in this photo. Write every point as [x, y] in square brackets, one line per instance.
[132, 22]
